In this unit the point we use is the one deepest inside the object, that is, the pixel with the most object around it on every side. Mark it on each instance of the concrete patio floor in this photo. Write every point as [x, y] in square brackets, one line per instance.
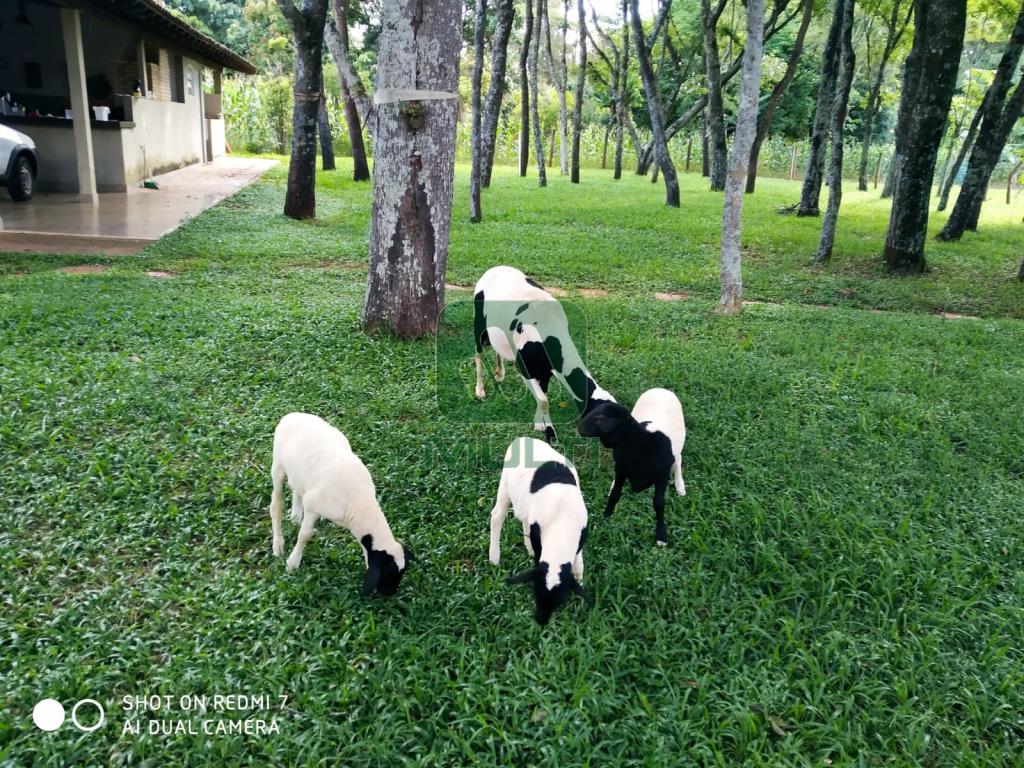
[122, 223]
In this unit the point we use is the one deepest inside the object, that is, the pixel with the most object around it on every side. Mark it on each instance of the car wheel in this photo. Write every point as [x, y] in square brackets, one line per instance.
[21, 181]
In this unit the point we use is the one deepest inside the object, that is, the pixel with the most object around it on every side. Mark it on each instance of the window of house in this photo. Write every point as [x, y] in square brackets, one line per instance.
[177, 78]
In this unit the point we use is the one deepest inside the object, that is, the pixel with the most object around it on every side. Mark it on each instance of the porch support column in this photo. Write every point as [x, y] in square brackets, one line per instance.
[143, 77]
[71, 24]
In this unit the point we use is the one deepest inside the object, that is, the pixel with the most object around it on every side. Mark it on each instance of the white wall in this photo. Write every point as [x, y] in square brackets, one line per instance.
[171, 132]
[58, 170]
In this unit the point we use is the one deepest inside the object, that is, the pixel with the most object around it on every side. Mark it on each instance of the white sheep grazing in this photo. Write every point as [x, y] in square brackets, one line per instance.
[527, 325]
[647, 445]
[544, 492]
[328, 480]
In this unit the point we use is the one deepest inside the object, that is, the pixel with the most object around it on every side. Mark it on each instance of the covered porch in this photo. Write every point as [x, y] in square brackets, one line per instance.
[111, 91]
[127, 222]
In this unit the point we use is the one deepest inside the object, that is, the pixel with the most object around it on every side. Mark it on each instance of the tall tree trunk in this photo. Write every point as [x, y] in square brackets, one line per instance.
[893, 34]
[998, 119]
[643, 58]
[479, 25]
[890, 177]
[323, 125]
[413, 167]
[307, 23]
[950, 178]
[538, 137]
[357, 103]
[929, 78]
[559, 77]
[622, 90]
[1010, 179]
[705, 159]
[840, 106]
[581, 82]
[338, 43]
[524, 91]
[810, 192]
[764, 119]
[496, 90]
[716, 104]
[604, 147]
[731, 299]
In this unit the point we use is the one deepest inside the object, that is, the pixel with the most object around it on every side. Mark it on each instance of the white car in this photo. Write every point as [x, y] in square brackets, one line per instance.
[18, 163]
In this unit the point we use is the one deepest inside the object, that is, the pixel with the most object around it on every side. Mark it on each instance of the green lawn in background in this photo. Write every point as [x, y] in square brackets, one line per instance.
[844, 584]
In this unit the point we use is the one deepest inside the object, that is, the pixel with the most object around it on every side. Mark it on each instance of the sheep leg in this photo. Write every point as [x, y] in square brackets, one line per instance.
[678, 468]
[498, 514]
[615, 493]
[542, 419]
[296, 508]
[276, 507]
[660, 531]
[305, 534]
[528, 543]
[481, 393]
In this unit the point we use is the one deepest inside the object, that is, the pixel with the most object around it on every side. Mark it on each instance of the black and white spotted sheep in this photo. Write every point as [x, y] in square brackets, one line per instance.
[543, 490]
[527, 325]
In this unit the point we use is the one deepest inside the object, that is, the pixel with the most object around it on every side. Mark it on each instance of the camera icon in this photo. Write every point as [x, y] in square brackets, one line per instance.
[49, 715]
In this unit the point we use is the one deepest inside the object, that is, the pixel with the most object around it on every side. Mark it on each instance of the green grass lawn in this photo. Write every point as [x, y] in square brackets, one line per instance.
[844, 585]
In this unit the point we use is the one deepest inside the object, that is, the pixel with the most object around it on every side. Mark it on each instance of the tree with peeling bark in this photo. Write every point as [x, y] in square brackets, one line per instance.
[1000, 112]
[414, 165]
[718, 146]
[840, 105]
[896, 26]
[810, 192]
[496, 90]
[731, 299]
[479, 23]
[929, 78]
[764, 119]
[524, 91]
[581, 82]
[356, 102]
[538, 137]
[654, 108]
[307, 23]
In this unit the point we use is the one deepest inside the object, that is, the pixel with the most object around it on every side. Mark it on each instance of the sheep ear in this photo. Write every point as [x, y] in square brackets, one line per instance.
[372, 577]
[523, 578]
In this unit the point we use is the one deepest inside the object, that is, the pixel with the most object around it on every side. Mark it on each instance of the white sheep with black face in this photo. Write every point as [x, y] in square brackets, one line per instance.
[543, 490]
[527, 325]
[647, 445]
[328, 480]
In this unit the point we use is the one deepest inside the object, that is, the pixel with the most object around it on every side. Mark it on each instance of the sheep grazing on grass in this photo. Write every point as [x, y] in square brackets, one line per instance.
[647, 445]
[543, 490]
[525, 324]
[328, 480]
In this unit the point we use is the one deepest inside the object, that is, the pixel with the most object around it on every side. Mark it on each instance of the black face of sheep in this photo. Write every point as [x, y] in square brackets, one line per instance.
[605, 420]
[382, 572]
[549, 600]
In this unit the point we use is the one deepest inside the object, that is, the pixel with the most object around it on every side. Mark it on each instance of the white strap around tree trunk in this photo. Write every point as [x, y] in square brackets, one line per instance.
[392, 95]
